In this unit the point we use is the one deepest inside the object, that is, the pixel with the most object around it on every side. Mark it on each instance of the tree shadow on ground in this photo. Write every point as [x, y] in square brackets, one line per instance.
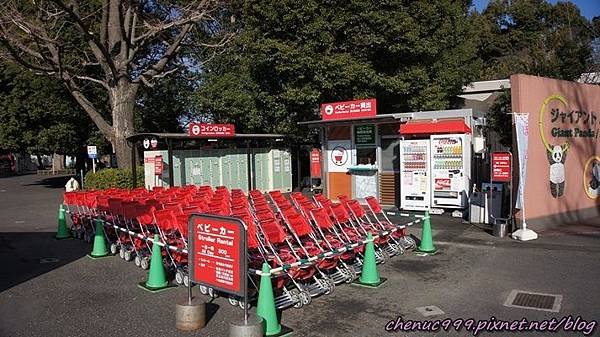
[26, 255]
[51, 182]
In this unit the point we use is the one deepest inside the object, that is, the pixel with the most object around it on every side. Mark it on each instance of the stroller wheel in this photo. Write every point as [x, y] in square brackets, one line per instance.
[386, 255]
[186, 280]
[243, 304]
[409, 242]
[233, 301]
[145, 263]
[179, 277]
[352, 273]
[212, 293]
[349, 276]
[137, 261]
[305, 297]
[203, 290]
[380, 256]
[122, 252]
[331, 285]
[113, 248]
[298, 303]
[328, 285]
[394, 248]
[86, 237]
[127, 255]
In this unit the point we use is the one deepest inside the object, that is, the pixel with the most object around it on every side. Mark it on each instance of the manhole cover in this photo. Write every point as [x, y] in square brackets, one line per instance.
[534, 301]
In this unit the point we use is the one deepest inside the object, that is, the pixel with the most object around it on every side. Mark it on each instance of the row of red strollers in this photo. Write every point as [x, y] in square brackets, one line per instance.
[316, 242]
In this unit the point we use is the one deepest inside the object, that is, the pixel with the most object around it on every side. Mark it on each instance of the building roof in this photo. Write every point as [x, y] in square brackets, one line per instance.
[393, 118]
[185, 136]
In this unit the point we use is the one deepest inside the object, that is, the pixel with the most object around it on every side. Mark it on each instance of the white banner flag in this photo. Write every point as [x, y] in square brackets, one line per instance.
[522, 130]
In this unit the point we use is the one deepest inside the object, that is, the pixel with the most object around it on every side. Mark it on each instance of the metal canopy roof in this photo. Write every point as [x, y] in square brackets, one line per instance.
[394, 118]
[185, 136]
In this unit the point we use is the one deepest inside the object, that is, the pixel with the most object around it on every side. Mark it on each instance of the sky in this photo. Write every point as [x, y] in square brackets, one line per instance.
[589, 8]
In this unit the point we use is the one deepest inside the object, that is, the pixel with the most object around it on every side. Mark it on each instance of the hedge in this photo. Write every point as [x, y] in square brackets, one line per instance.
[112, 177]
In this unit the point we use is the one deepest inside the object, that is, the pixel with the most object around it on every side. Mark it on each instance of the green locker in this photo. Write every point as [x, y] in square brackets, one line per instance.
[177, 169]
[193, 167]
[261, 170]
[226, 161]
[228, 167]
[277, 168]
[205, 168]
[215, 168]
[242, 170]
[286, 172]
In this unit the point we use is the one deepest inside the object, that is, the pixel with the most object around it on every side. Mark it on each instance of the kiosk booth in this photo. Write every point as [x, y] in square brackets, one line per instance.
[414, 161]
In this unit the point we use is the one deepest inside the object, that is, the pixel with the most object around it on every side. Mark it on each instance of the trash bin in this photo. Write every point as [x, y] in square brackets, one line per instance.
[500, 228]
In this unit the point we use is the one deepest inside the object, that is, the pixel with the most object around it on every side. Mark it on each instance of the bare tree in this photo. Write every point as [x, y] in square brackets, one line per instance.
[115, 45]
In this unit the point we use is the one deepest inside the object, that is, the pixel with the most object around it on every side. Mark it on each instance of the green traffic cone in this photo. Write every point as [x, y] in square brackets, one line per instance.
[427, 246]
[99, 249]
[369, 276]
[157, 277]
[62, 232]
[266, 303]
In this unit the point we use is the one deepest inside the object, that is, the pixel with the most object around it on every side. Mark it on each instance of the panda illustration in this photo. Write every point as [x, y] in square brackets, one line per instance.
[557, 158]
[594, 185]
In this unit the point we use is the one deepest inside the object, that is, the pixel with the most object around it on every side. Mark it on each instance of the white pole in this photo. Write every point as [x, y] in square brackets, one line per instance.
[523, 234]
[94, 164]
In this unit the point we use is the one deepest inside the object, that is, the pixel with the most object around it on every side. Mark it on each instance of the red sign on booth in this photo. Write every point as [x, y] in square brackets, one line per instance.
[501, 165]
[217, 254]
[211, 130]
[158, 166]
[315, 163]
[349, 109]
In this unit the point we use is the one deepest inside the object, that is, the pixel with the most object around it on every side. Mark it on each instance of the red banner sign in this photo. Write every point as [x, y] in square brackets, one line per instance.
[349, 110]
[501, 164]
[315, 163]
[158, 166]
[217, 253]
[211, 130]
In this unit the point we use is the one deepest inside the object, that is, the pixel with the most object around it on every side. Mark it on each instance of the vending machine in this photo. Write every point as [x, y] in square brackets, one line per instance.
[415, 175]
[450, 171]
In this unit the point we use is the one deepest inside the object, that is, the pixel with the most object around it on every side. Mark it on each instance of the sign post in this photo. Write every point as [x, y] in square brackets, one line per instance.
[92, 152]
[315, 163]
[501, 170]
[217, 259]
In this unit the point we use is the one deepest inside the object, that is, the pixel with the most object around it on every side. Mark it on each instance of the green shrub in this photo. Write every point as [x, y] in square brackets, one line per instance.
[113, 177]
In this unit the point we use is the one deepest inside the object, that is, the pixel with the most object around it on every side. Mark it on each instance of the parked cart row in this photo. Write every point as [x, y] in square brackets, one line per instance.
[311, 243]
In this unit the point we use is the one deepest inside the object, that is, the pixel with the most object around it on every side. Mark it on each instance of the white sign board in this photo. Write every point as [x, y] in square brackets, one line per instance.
[92, 152]
[339, 155]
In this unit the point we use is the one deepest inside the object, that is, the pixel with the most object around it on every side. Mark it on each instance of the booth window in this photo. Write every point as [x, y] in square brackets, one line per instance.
[366, 156]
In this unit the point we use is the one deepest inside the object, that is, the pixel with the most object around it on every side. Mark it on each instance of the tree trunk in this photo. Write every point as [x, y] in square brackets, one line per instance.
[123, 101]
[58, 162]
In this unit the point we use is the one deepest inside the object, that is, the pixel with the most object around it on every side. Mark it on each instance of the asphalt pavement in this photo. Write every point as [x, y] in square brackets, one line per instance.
[50, 288]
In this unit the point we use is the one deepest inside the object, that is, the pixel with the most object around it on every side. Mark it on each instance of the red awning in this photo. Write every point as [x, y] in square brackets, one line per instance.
[431, 127]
